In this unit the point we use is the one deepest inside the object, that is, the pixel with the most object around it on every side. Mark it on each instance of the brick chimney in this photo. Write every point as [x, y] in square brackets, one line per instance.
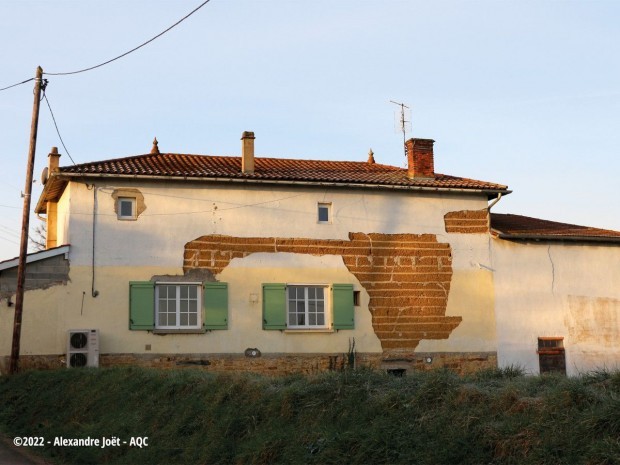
[420, 162]
[247, 152]
[53, 160]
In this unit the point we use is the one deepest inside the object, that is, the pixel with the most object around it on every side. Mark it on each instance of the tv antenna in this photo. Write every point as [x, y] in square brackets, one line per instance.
[402, 121]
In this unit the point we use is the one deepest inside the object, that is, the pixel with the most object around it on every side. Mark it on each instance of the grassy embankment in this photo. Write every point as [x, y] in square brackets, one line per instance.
[358, 417]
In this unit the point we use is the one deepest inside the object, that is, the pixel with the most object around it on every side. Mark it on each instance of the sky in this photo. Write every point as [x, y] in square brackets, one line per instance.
[522, 93]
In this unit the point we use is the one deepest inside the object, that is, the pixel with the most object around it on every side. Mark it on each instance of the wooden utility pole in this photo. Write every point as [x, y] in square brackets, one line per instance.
[23, 249]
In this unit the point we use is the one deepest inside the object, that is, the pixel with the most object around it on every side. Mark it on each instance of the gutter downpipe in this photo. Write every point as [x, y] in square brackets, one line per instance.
[94, 292]
[499, 197]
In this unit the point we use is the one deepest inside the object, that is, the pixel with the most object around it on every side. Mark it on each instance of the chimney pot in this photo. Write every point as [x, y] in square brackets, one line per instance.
[247, 152]
[53, 160]
[420, 160]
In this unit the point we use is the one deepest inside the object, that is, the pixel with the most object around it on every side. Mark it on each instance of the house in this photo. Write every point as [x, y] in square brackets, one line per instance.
[279, 265]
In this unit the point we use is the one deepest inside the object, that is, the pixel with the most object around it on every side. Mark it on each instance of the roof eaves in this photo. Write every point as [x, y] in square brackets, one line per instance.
[555, 237]
[252, 180]
[52, 182]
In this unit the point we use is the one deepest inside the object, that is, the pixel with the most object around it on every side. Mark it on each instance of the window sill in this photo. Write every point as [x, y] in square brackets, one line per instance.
[179, 331]
[319, 330]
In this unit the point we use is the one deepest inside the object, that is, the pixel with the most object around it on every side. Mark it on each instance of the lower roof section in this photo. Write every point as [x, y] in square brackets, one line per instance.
[518, 227]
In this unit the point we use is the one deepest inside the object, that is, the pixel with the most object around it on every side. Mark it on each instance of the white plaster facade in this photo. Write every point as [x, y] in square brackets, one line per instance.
[557, 289]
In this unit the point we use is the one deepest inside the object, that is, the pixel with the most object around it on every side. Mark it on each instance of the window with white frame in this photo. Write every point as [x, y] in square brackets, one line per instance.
[126, 208]
[324, 212]
[306, 306]
[177, 305]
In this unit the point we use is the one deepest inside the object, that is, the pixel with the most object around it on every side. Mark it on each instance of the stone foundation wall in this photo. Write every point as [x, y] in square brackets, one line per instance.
[459, 362]
[274, 364]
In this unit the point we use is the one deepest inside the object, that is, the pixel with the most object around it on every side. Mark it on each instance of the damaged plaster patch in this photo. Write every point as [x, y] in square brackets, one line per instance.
[593, 321]
[407, 276]
[131, 193]
[467, 221]
[194, 275]
[43, 274]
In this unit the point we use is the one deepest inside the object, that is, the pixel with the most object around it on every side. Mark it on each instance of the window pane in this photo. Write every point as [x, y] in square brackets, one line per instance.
[184, 306]
[323, 213]
[193, 319]
[126, 207]
[172, 319]
[184, 291]
[301, 308]
[320, 319]
[320, 306]
[193, 292]
[301, 319]
[320, 293]
[172, 292]
[192, 306]
[312, 319]
[163, 320]
[184, 319]
[312, 306]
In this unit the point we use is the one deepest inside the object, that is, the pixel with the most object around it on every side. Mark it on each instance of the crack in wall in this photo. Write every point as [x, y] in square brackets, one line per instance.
[552, 269]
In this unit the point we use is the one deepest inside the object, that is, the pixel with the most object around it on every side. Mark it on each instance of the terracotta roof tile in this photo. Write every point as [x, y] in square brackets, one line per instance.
[274, 169]
[523, 227]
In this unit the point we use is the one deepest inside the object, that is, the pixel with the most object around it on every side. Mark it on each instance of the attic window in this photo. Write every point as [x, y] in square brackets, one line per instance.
[126, 208]
[324, 213]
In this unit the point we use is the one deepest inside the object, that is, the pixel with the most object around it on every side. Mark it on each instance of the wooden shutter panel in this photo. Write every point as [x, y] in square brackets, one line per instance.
[342, 298]
[215, 305]
[274, 306]
[141, 305]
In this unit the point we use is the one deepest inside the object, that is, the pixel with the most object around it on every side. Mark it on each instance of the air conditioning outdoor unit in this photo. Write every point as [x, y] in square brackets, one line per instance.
[83, 348]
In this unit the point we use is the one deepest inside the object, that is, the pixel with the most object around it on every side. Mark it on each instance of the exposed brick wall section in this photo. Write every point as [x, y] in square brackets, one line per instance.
[467, 221]
[407, 276]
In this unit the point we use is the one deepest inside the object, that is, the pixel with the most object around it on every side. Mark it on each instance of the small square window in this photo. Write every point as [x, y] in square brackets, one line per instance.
[551, 355]
[126, 208]
[356, 298]
[324, 212]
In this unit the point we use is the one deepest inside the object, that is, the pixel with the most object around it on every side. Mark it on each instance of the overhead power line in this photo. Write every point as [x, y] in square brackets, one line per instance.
[16, 84]
[56, 126]
[133, 49]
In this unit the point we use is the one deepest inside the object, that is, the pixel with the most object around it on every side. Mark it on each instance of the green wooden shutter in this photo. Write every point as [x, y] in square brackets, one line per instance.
[342, 298]
[274, 306]
[141, 305]
[215, 305]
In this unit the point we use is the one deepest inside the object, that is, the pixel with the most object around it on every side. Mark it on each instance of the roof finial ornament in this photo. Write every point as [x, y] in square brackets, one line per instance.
[155, 148]
[371, 156]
